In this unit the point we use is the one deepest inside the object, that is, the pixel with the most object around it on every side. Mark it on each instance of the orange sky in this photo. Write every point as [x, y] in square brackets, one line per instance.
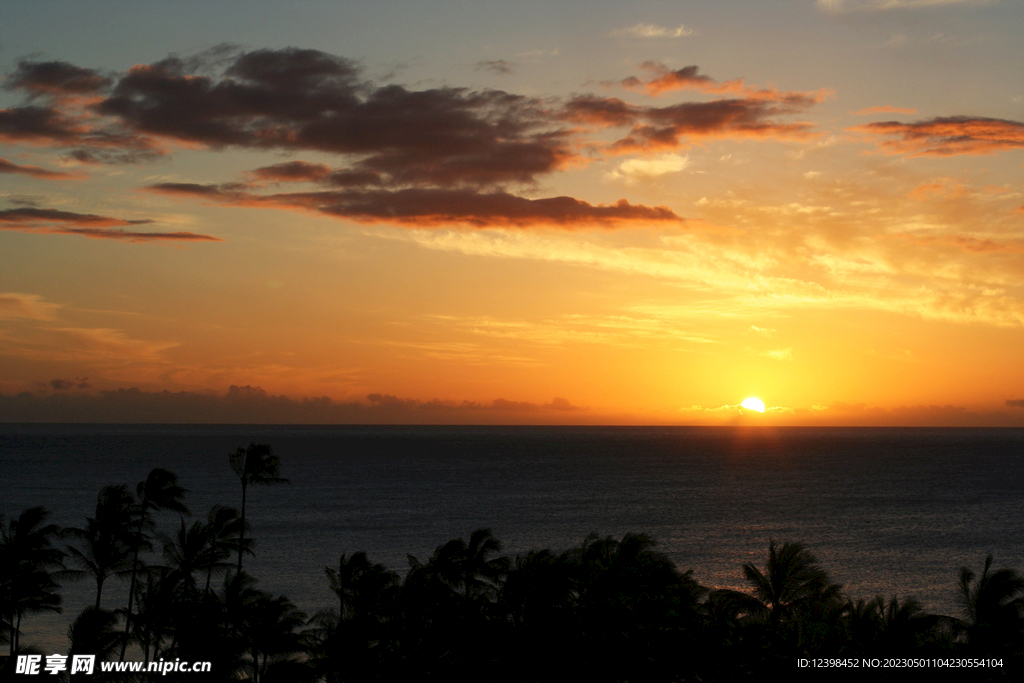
[566, 213]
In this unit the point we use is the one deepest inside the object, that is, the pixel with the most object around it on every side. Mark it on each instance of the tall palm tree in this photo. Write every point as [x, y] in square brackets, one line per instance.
[256, 464]
[160, 491]
[106, 540]
[27, 555]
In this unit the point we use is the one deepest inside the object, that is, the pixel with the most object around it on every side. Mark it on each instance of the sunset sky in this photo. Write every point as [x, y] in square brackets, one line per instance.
[513, 212]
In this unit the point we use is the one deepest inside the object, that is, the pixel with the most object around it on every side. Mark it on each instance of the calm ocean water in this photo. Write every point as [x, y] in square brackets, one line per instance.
[887, 511]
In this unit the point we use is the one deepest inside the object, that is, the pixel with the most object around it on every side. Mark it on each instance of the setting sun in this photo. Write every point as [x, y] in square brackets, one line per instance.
[753, 404]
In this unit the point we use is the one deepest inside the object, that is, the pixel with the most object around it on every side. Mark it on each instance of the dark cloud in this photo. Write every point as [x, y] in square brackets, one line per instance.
[34, 171]
[56, 222]
[498, 66]
[601, 111]
[429, 207]
[655, 128]
[302, 171]
[77, 383]
[33, 217]
[253, 405]
[292, 171]
[39, 125]
[48, 126]
[308, 100]
[55, 79]
[1015, 403]
[947, 136]
[415, 157]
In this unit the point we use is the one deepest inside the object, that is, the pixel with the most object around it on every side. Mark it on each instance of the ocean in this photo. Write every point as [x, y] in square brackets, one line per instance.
[887, 511]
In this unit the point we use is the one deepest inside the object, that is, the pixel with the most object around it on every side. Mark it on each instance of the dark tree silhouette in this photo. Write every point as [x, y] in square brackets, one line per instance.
[105, 544]
[160, 491]
[27, 558]
[993, 605]
[256, 464]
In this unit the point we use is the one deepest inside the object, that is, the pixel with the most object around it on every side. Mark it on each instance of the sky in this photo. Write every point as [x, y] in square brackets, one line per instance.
[513, 213]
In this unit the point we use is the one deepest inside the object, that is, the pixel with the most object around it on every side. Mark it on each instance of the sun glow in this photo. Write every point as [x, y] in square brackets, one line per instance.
[753, 404]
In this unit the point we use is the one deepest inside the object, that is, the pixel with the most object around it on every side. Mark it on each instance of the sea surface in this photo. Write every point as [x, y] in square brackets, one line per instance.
[886, 511]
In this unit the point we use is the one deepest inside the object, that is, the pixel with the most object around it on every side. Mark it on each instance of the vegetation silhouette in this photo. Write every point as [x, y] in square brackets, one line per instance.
[607, 610]
[160, 491]
[256, 464]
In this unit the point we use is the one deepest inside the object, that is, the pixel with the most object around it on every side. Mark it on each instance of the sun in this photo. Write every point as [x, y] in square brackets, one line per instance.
[753, 404]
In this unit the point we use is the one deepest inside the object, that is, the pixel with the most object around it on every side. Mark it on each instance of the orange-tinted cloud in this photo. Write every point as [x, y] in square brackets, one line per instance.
[661, 128]
[56, 222]
[947, 136]
[943, 189]
[884, 109]
[35, 171]
[690, 78]
[29, 306]
[430, 207]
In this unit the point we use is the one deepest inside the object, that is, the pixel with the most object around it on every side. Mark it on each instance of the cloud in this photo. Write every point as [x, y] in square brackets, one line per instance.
[668, 127]
[779, 354]
[840, 6]
[308, 100]
[445, 155]
[643, 30]
[29, 306]
[497, 66]
[56, 222]
[55, 79]
[431, 207]
[35, 171]
[947, 136]
[690, 78]
[77, 383]
[254, 405]
[1015, 403]
[302, 171]
[884, 109]
[637, 170]
[671, 127]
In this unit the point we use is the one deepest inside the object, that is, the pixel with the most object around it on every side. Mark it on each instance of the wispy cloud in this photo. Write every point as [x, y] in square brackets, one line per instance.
[496, 66]
[7, 166]
[29, 306]
[884, 109]
[57, 222]
[415, 207]
[644, 30]
[839, 6]
[947, 136]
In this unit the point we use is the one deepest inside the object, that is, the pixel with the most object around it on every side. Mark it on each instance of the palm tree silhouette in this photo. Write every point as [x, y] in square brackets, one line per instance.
[224, 531]
[160, 491]
[994, 607]
[106, 540]
[792, 582]
[270, 627]
[256, 464]
[94, 632]
[26, 556]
